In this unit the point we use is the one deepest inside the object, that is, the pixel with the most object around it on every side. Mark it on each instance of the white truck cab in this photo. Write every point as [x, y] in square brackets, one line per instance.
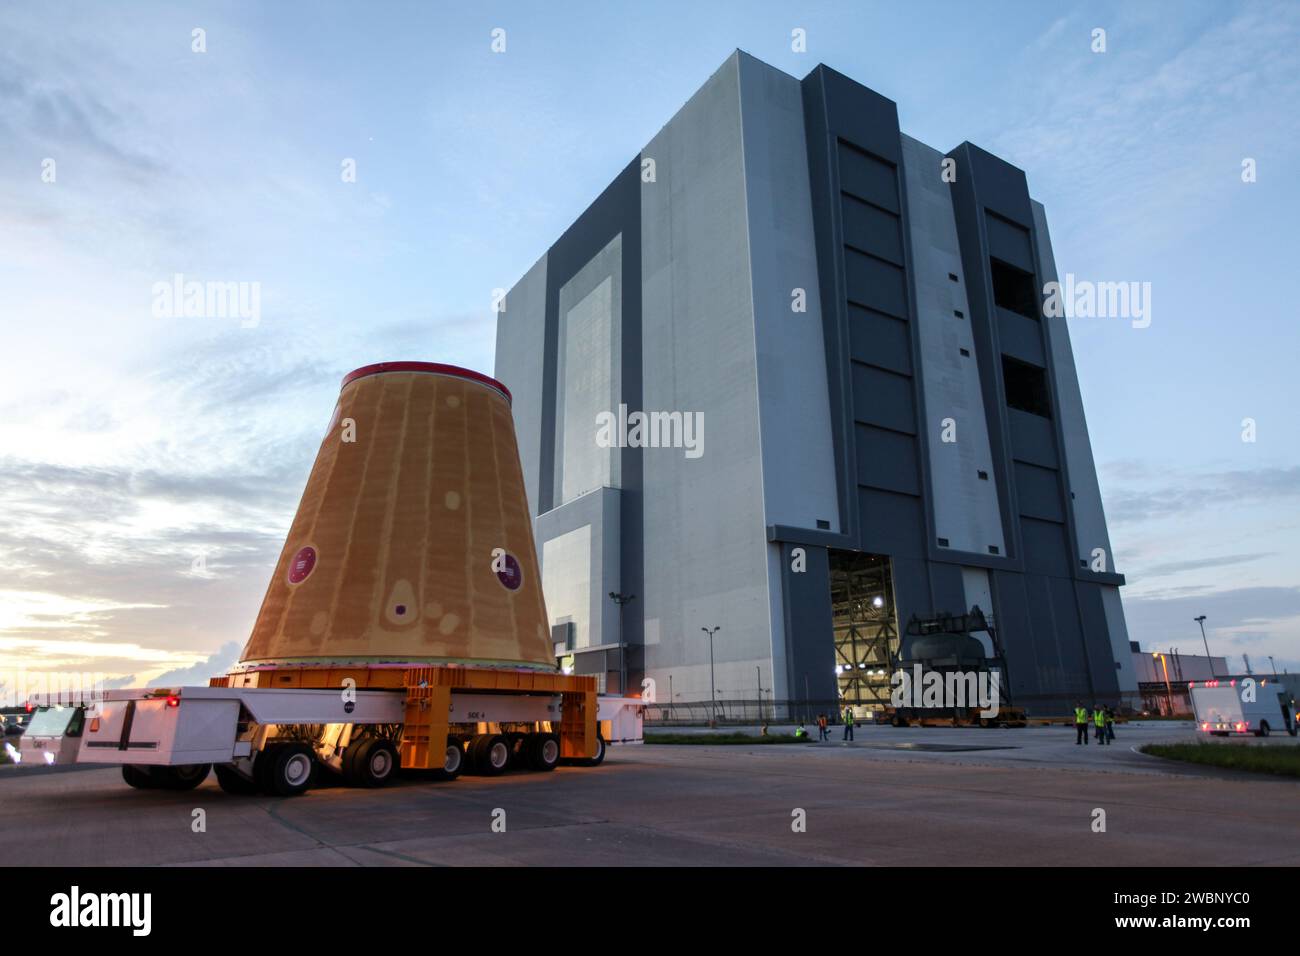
[53, 736]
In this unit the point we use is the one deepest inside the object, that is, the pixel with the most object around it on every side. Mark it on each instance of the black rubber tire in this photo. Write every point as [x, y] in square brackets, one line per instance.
[263, 764]
[348, 761]
[286, 775]
[233, 782]
[543, 751]
[375, 764]
[141, 778]
[1263, 729]
[473, 749]
[491, 754]
[454, 747]
[182, 777]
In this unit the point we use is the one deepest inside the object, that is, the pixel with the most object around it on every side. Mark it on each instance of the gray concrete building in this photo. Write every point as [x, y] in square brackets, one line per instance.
[868, 417]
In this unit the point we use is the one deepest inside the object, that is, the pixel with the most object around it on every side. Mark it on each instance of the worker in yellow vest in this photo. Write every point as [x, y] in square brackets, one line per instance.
[848, 723]
[1080, 724]
[1099, 719]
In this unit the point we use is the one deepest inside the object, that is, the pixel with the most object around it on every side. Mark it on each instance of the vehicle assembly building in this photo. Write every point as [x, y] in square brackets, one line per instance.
[789, 378]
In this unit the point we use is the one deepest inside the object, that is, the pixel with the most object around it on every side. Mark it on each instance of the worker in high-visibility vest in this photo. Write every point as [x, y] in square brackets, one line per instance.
[1099, 719]
[848, 723]
[1080, 724]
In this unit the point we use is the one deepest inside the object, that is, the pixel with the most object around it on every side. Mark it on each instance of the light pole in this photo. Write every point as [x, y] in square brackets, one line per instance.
[620, 600]
[713, 684]
[1208, 659]
[1169, 691]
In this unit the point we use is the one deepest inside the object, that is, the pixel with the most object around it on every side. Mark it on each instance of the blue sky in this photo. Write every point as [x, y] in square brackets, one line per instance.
[132, 446]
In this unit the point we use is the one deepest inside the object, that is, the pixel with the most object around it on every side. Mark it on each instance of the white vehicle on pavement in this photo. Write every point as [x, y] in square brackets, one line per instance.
[1242, 706]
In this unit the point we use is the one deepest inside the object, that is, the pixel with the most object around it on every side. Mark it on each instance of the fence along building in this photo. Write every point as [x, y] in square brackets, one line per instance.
[887, 424]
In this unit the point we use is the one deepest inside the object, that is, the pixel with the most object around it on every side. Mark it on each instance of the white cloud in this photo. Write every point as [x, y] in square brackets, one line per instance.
[215, 665]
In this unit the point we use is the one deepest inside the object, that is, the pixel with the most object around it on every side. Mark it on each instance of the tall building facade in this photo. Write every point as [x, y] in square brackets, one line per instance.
[856, 411]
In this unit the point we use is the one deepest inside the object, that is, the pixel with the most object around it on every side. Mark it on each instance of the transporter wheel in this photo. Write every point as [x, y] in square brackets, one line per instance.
[595, 761]
[543, 751]
[375, 763]
[1263, 729]
[262, 765]
[453, 761]
[473, 750]
[348, 762]
[232, 781]
[491, 754]
[138, 777]
[182, 777]
[288, 772]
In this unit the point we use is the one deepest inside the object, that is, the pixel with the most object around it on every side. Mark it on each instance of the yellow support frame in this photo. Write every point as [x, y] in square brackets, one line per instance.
[428, 699]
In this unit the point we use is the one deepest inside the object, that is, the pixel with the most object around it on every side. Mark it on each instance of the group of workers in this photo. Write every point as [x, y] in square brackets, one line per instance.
[824, 727]
[1102, 718]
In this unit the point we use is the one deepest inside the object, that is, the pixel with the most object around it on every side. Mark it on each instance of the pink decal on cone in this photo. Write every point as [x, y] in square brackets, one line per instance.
[303, 563]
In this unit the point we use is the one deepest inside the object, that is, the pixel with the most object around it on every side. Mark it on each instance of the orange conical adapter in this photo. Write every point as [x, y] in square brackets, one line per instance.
[412, 542]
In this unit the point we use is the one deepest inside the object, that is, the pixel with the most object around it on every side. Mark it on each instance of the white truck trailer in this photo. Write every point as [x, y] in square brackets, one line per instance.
[279, 741]
[1242, 706]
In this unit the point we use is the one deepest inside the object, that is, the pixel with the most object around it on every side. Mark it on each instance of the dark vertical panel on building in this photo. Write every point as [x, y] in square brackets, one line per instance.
[912, 594]
[1060, 659]
[808, 624]
[1017, 637]
[617, 210]
[835, 329]
[1068, 634]
[948, 588]
[631, 502]
[860, 214]
[1096, 638]
[893, 517]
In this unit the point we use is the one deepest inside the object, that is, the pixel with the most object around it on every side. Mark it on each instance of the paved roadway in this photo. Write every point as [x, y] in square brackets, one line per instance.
[1029, 746]
[887, 799]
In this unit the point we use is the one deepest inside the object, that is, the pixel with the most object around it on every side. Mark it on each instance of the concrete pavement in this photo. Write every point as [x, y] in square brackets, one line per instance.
[1047, 747]
[876, 802]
